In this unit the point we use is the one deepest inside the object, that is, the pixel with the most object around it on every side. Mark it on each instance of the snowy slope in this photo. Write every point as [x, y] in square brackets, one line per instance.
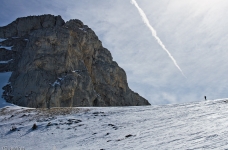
[201, 125]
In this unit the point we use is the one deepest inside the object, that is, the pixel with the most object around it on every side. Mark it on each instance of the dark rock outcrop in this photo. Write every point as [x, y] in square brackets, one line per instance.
[58, 64]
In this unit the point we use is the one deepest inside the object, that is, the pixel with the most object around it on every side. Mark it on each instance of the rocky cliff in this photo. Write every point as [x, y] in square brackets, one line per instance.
[58, 64]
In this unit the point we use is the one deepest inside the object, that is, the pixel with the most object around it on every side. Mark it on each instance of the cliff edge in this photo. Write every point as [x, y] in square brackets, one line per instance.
[58, 64]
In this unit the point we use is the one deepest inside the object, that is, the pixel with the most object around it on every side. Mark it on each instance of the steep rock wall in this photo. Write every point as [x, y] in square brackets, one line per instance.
[58, 64]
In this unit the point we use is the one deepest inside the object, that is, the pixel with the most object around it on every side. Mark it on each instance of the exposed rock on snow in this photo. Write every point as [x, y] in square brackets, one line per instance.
[54, 49]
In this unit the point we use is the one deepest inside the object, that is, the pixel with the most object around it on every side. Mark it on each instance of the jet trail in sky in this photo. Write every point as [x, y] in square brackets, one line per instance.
[146, 21]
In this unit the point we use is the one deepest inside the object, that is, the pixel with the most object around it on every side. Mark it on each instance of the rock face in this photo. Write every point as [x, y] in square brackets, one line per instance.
[58, 64]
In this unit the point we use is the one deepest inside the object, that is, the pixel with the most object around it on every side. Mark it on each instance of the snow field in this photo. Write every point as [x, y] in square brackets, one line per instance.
[201, 125]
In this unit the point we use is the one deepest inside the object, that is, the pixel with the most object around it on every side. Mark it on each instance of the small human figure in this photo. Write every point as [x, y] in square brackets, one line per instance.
[205, 98]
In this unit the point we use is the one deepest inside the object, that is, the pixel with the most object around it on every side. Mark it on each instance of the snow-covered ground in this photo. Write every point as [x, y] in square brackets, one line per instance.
[200, 125]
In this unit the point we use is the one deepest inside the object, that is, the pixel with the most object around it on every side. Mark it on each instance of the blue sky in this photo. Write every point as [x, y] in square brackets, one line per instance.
[195, 33]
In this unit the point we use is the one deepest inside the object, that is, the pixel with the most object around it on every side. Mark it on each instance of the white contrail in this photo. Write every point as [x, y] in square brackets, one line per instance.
[146, 21]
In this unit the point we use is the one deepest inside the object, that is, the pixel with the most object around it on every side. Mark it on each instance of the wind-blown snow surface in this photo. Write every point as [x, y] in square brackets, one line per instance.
[201, 125]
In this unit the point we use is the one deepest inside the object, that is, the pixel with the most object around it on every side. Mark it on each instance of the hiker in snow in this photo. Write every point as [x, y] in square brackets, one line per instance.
[205, 98]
